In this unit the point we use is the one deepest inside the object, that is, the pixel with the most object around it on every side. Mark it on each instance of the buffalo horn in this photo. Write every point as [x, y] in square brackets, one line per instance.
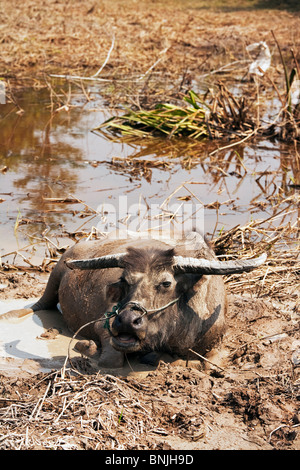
[204, 266]
[109, 261]
[181, 264]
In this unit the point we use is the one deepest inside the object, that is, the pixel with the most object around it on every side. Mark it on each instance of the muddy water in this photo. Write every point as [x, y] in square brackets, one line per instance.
[57, 178]
[24, 345]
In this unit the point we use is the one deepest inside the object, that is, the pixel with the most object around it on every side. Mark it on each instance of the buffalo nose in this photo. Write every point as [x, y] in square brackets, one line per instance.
[129, 320]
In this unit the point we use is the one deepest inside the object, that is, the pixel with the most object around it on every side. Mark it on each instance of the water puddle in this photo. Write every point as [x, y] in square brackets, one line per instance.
[25, 346]
[59, 179]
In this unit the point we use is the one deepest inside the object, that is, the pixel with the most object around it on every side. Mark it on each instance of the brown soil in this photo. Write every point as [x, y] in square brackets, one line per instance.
[252, 402]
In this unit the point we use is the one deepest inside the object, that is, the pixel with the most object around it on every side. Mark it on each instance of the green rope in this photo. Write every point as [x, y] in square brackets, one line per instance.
[108, 315]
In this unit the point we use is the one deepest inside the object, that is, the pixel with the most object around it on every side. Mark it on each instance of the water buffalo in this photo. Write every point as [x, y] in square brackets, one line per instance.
[143, 294]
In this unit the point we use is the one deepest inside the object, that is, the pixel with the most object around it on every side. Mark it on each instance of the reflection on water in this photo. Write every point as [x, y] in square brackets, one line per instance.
[46, 157]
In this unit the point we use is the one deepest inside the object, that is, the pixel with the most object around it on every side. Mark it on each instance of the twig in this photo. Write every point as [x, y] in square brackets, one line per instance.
[234, 143]
[92, 77]
[106, 60]
[39, 404]
[224, 67]
[205, 359]
[152, 66]
[280, 427]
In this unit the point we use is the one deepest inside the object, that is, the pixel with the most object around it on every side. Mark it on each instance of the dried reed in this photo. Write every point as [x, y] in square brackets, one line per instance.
[65, 411]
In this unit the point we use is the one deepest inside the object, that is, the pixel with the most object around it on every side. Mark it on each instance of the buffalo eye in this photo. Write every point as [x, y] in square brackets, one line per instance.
[166, 284]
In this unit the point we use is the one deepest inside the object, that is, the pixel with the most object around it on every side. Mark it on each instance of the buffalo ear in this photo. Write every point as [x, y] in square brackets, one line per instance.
[185, 282]
[115, 292]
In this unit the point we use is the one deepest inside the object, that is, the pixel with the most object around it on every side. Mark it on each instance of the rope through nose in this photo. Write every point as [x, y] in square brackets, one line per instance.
[156, 310]
[116, 308]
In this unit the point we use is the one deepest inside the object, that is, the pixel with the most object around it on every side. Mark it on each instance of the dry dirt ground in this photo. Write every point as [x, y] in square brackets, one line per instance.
[250, 403]
[183, 39]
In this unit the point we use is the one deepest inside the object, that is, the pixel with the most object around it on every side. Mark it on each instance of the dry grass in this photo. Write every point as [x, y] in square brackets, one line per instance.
[142, 54]
[72, 37]
[65, 411]
[68, 412]
[280, 278]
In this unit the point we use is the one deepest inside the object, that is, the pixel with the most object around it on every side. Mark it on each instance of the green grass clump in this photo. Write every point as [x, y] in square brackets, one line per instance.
[165, 119]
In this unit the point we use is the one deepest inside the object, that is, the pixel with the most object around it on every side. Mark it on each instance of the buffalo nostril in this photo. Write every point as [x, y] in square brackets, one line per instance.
[137, 321]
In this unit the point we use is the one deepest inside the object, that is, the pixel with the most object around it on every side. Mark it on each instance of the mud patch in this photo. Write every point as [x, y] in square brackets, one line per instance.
[21, 285]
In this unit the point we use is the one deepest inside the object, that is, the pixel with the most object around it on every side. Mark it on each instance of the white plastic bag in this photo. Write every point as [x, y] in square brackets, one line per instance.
[262, 60]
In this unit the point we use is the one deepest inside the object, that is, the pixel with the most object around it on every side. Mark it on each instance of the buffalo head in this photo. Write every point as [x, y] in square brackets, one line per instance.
[152, 292]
